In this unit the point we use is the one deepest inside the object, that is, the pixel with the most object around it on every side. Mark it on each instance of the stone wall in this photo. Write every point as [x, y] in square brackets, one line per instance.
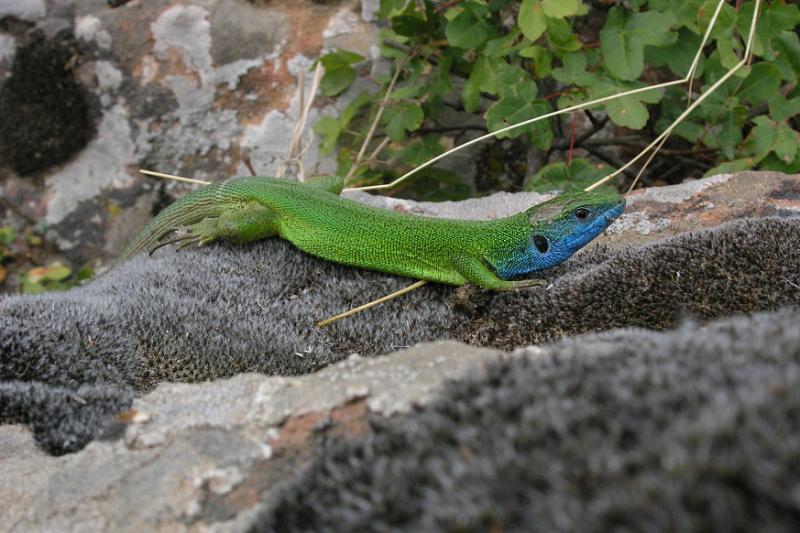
[184, 87]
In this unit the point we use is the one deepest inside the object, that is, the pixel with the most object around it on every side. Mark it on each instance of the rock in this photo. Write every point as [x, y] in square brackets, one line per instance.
[227, 453]
[193, 456]
[182, 88]
[686, 430]
[651, 214]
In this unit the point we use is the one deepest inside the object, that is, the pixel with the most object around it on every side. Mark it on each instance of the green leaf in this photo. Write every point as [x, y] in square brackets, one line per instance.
[469, 29]
[576, 176]
[728, 134]
[687, 129]
[786, 140]
[623, 54]
[787, 47]
[436, 185]
[340, 58]
[497, 5]
[53, 272]
[773, 162]
[542, 59]
[485, 73]
[571, 98]
[560, 36]
[390, 52]
[560, 8]
[651, 28]
[623, 38]
[352, 109]
[471, 95]
[772, 20]
[531, 19]
[410, 25]
[762, 83]
[684, 10]
[574, 71]
[513, 110]
[761, 139]
[84, 274]
[512, 80]
[338, 72]
[717, 102]
[390, 8]
[726, 48]
[402, 117]
[328, 128]
[336, 80]
[501, 46]
[7, 235]
[729, 167]
[627, 111]
[440, 84]
[421, 150]
[680, 55]
[781, 108]
[729, 45]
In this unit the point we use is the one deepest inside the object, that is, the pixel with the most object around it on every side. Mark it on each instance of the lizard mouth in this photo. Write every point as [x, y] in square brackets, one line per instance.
[614, 211]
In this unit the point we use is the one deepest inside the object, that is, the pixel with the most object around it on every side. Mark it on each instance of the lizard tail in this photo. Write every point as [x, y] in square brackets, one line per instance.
[192, 208]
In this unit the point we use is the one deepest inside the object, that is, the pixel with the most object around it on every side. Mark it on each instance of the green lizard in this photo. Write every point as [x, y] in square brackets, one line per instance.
[313, 217]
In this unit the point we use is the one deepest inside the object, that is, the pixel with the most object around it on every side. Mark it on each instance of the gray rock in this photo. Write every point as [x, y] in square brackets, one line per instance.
[688, 430]
[189, 452]
[182, 88]
[225, 454]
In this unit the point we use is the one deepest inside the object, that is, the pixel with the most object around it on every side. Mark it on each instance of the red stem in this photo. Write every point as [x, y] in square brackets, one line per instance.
[571, 139]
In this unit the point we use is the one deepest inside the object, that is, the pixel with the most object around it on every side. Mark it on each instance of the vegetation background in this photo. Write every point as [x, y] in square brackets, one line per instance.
[505, 61]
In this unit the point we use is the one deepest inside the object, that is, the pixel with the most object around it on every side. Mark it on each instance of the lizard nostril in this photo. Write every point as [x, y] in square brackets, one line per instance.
[541, 243]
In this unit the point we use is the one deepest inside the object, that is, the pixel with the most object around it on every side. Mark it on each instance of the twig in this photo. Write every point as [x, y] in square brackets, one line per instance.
[584, 138]
[446, 5]
[249, 165]
[373, 126]
[172, 177]
[571, 140]
[378, 149]
[373, 303]
[467, 144]
[295, 144]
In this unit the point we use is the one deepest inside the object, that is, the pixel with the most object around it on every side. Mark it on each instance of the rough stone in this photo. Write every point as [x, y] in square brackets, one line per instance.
[651, 214]
[138, 325]
[693, 429]
[194, 88]
[28, 10]
[191, 453]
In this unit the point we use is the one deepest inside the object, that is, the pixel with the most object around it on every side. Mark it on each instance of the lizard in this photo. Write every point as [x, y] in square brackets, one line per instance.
[315, 218]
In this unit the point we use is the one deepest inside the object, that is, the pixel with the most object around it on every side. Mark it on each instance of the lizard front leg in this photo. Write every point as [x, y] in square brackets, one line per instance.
[473, 270]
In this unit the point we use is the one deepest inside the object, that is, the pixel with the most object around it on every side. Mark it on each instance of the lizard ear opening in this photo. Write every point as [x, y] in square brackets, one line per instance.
[541, 243]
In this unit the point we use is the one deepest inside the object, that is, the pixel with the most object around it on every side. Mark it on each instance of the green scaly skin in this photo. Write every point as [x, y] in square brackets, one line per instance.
[314, 218]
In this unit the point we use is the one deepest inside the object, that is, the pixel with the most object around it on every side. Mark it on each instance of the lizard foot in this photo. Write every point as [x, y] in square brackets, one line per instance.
[470, 298]
[200, 234]
[204, 232]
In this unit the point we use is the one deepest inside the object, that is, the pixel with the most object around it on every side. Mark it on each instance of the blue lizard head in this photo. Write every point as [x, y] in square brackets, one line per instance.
[560, 227]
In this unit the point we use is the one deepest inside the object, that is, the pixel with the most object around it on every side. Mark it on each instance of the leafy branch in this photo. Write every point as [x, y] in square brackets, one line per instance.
[504, 61]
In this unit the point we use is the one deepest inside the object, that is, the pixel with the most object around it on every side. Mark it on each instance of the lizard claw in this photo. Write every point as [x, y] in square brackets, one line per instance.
[200, 234]
[204, 232]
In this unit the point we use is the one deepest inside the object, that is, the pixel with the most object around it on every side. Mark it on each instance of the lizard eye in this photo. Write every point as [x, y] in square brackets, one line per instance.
[582, 213]
[541, 244]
